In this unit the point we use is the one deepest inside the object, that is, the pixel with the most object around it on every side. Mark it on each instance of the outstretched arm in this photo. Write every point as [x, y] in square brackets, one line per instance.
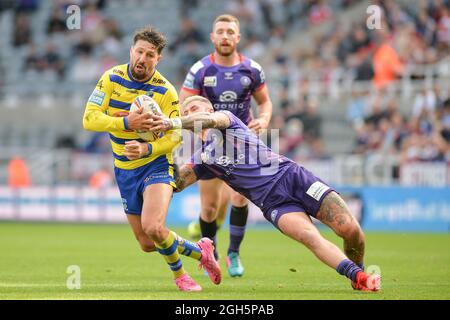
[217, 120]
[185, 177]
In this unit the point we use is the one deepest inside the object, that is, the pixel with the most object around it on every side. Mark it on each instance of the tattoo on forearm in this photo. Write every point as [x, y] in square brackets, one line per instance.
[204, 118]
[207, 120]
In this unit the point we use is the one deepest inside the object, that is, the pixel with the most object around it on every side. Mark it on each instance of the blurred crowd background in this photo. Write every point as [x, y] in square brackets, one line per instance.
[355, 103]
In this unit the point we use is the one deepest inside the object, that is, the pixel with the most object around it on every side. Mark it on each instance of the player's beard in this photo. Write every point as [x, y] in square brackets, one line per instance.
[145, 74]
[225, 51]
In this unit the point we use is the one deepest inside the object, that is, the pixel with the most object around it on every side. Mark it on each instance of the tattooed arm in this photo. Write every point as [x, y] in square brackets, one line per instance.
[185, 177]
[205, 120]
[217, 120]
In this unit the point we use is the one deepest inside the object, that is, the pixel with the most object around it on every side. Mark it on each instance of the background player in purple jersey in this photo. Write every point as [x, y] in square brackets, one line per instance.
[287, 194]
[229, 80]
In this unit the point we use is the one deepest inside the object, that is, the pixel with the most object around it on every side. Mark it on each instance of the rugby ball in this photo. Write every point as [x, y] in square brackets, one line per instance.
[151, 106]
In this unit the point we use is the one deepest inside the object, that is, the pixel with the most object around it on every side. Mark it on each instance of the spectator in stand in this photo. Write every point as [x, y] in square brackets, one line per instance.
[443, 29]
[357, 108]
[426, 27]
[377, 112]
[266, 7]
[21, 30]
[33, 61]
[107, 62]
[291, 137]
[98, 142]
[28, 6]
[395, 133]
[187, 5]
[319, 12]
[444, 121]
[84, 46]
[424, 103]
[420, 147]
[52, 60]
[57, 22]
[101, 178]
[253, 47]
[189, 55]
[386, 62]
[111, 42]
[18, 173]
[247, 11]
[312, 122]
[92, 24]
[189, 34]
[363, 133]
[85, 69]
[91, 19]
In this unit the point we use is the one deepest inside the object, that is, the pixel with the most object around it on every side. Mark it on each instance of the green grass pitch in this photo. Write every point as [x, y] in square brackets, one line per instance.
[34, 260]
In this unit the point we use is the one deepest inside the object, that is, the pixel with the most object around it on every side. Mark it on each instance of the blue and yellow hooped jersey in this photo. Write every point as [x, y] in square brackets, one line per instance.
[110, 102]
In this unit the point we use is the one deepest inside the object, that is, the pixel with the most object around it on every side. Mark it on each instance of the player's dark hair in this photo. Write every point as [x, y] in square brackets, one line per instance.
[152, 36]
[226, 18]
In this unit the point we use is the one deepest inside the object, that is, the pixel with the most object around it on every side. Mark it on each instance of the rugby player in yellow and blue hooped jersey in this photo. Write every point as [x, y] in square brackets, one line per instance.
[144, 171]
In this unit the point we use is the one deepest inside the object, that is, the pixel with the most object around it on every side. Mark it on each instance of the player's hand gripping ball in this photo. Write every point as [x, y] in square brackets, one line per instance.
[148, 105]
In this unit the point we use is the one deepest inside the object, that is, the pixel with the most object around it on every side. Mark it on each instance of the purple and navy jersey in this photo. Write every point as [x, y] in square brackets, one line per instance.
[239, 158]
[228, 88]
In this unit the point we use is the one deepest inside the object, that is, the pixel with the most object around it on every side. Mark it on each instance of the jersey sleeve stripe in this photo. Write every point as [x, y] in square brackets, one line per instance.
[136, 85]
[125, 159]
[197, 66]
[119, 104]
[191, 90]
[260, 87]
[121, 140]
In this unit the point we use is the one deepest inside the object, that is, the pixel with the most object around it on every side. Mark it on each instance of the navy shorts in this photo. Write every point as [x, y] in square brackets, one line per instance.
[298, 190]
[132, 183]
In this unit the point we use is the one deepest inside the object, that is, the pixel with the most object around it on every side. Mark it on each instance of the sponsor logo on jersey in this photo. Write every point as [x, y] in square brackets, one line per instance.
[97, 97]
[174, 114]
[228, 96]
[189, 81]
[210, 81]
[158, 81]
[228, 106]
[116, 93]
[132, 91]
[120, 72]
[228, 75]
[245, 81]
[224, 161]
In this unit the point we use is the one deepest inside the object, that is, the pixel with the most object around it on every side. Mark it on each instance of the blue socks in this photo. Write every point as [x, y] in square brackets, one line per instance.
[238, 221]
[348, 268]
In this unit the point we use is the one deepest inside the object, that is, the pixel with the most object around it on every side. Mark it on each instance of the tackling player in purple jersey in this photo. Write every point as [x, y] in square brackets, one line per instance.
[286, 193]
[229, 80]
